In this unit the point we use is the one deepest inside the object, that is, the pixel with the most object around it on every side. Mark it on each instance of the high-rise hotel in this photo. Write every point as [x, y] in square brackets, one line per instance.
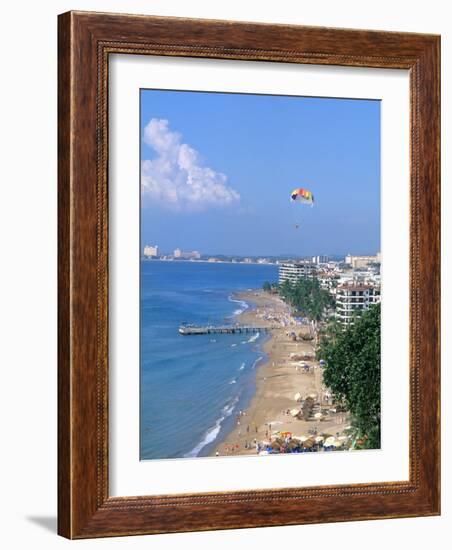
[353, 299]
[296, 270]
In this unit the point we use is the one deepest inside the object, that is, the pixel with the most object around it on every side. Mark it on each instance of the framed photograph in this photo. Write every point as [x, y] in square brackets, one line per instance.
[248, 275]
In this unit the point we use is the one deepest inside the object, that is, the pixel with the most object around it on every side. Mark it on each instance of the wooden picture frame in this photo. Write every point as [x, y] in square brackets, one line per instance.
[86, 40]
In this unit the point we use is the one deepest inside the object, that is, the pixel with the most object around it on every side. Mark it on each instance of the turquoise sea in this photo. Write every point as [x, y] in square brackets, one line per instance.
[191, 387]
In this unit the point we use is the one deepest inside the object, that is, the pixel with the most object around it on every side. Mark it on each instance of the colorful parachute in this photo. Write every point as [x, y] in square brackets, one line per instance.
[302, 195]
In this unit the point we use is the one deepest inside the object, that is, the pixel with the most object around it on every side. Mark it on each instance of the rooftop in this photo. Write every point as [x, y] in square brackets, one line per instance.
[355, 286]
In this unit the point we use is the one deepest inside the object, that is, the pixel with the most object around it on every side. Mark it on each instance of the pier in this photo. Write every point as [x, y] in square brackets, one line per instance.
[188, 330]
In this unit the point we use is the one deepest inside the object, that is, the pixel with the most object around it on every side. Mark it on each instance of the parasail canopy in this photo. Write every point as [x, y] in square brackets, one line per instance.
[302, 195]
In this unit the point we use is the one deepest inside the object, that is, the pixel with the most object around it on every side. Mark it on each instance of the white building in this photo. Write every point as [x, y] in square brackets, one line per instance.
[151, 251]
[192, 255]
[361, 261]
[296, 270]
[328, 280]
[352, 299]
[320, 259]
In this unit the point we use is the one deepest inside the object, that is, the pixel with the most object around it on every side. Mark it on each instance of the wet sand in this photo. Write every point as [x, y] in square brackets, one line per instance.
[278, 381]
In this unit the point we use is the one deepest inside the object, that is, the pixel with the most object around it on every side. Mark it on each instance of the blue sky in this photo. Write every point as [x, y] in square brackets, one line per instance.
[218, 169]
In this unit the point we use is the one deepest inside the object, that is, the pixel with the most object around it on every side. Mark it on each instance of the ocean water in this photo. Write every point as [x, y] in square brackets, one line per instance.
[192, 387]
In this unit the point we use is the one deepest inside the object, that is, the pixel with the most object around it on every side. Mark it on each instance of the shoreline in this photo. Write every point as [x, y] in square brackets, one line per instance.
[208, 262]
[278, 380]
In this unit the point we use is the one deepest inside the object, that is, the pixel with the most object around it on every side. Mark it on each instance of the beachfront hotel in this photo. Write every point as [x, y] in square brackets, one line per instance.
[294, 271]
[151, 251]
[352, 299]
[179, 254]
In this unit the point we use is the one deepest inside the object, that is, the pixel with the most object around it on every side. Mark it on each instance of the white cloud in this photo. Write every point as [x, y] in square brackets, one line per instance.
[177, 178]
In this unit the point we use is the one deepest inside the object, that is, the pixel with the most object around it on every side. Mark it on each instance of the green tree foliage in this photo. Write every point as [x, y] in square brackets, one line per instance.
[352, 372]
[267, 286]
[329, 332]
[307, 297]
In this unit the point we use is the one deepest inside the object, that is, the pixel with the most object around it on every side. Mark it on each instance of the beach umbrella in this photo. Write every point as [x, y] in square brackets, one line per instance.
[292, 444]
[294, 412]
[337, 444]
[319, 439]
[303, 438]
[318, 415]
[313, 395]
[329, 441]
[297, 396]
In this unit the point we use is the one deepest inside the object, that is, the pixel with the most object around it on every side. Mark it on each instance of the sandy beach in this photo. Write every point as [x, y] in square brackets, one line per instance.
[279, 380]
